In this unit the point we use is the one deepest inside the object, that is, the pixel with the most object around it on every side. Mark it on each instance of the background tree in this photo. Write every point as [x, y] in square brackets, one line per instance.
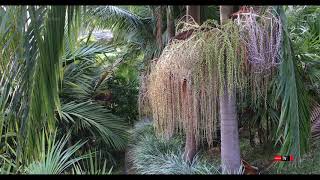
[190, 147]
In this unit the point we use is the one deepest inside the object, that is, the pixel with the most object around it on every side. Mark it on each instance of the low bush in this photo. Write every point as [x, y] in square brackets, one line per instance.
[156, 155]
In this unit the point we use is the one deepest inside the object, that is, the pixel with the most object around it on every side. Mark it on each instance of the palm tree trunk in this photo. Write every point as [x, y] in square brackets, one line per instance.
[230, 146]
[170, 23]
[194, 12]
[191, 147]
[158, 12]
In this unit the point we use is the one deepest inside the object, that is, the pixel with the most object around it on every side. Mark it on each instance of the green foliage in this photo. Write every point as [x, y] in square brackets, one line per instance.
[84, 82]
[173, 163]
[124, 24]
[88, 52]
[153, 155]
[210, 12]
[49, 78]
[8, 166]
[92, 165]
[44, 89]
[124, 95]
[30, 84]
[262, 117]
[309, 164]
[117, 17]
[294, 122]
[86, 69]
[141, 129]
[43, 63]
[97, 120]
[53, 157]
[304, 29]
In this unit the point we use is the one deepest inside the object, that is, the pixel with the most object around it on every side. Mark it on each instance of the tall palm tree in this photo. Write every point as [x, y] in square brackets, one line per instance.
[38, 43]
[35, 39]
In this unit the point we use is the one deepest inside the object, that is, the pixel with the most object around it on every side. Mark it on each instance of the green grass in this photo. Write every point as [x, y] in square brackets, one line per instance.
[155, 155]
[310, 164]
[258, 156]
[262, 156]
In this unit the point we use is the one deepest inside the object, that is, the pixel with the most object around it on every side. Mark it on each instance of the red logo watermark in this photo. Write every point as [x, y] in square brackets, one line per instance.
[283, 158]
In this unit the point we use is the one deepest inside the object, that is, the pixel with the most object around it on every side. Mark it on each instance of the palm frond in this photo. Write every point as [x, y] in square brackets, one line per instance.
[125, 25]
[45, 97]
[92, 116]
[115, 17]
[294, 122]
[92, 165]
[84, 72]
[78, 82]
[32, 79]
[54, 158]
[88, 52]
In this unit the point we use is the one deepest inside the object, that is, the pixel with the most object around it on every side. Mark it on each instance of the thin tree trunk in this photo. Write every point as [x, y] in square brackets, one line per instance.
[267, 139]
[191, 147]
[194, 12]
[159, 27]
[230, 146]
[170, 23]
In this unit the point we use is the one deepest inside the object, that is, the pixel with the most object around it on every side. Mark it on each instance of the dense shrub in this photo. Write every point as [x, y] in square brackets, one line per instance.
[154, 155]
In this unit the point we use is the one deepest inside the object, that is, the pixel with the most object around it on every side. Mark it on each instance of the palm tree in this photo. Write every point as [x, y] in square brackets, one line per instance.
[293, 130]
[35, 39]
[41, 87]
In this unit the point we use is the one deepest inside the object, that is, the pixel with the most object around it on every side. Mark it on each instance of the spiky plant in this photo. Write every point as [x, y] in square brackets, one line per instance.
[53, 158]
[92, 165]
[155, 155]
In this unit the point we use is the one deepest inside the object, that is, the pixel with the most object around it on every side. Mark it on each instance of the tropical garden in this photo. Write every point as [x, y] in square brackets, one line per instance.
[159, 89]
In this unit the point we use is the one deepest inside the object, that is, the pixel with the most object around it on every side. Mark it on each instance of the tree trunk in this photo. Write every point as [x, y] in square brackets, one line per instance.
[230, 146]
[191, 147]
[159, 27]
[194, 12]
[170, 23]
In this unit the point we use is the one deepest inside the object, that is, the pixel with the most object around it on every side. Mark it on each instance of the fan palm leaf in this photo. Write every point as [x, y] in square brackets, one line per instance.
[54, 158]
[92, 116]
